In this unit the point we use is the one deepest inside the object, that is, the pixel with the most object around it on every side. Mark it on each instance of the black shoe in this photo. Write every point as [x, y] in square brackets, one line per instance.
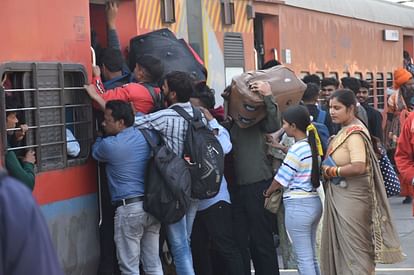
[407, 200]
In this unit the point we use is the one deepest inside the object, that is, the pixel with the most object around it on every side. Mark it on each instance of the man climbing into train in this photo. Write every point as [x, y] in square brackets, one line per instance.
[136, 231]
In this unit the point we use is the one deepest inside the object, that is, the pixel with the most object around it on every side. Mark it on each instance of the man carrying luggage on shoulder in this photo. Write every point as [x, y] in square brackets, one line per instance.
[136, 231]
[254, 173]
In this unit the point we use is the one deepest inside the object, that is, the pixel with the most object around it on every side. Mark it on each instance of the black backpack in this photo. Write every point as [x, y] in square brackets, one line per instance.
[203, 154]
[167, 184]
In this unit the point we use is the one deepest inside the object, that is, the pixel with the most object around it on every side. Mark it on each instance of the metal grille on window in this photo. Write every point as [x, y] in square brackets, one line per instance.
[369, 78]
[52, 100]
[380, 90]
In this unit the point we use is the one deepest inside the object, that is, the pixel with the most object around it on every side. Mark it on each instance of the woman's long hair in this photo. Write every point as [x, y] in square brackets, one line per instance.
[348, 99]
[299, 115]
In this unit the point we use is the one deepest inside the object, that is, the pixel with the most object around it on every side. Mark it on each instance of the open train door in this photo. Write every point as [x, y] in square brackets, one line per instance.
[266, 34]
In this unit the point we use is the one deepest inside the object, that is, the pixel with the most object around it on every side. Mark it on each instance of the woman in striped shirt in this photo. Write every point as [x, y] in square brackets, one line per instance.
[299, 176]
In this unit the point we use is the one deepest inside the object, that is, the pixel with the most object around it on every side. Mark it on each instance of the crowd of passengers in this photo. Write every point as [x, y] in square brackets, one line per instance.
[225, 234]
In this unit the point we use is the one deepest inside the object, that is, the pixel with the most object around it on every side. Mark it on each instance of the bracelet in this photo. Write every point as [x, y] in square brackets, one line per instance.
[338, 171]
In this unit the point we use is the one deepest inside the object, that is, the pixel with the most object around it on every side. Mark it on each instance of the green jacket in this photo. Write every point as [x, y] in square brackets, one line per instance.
[21, 170]
[249, 147]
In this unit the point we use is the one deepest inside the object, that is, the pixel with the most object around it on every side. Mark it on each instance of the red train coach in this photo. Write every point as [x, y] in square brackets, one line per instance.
[364, 39]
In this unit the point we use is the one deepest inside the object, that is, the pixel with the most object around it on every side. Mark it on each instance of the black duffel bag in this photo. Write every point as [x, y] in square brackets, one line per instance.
[174, 53]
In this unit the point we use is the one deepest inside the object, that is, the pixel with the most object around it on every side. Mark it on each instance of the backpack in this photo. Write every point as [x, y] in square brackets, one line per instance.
[203, 154]
[321, 116]
[157, 99]
[167, 187]
[322, 128]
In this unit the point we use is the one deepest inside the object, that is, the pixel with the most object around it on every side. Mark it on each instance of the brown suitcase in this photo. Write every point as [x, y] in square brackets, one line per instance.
[247, 108]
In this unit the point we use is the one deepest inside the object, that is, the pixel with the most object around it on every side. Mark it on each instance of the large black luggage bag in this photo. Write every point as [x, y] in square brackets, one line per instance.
[175, 55]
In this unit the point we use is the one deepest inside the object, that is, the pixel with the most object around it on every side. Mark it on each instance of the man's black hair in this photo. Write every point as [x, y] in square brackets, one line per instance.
[112, 59]
[152, 65]
[271, 63]
[205, 94]
[364, 84]
[328, 81]
[121, 110]
[311, 93]
[351, 83]
[312, 78]
[181, 83]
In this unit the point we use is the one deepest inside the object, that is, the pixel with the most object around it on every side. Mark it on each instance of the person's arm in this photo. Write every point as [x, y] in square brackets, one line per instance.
[155, 121]
[357, 154]
[405, 152]
[91, 90]
[285, 174]
[102, 148]
[271, 123]
[23, 171]
[220, 132]
[72, 145]
[111, 14]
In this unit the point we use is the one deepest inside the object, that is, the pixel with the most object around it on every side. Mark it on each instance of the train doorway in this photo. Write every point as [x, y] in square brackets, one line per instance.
[266, 38]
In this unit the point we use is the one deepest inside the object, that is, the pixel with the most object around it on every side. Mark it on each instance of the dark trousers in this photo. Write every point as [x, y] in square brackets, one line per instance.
[253, 228]
[108, 263]
[213, 229]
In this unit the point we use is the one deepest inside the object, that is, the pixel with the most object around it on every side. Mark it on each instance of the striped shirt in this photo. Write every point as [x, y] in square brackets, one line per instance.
[295, 172]
[169, 124]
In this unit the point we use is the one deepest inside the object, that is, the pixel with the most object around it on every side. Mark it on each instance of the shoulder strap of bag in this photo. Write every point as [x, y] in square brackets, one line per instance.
[151, 91]
[182, 112]
[148, 138]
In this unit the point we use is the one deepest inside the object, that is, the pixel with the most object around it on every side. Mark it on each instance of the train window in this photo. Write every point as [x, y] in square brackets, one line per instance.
[369, 78]
[52, 102]
[346, 74]
[333, 74]
[358, 75]
[320, 74]
[227, 12]
[379, 79]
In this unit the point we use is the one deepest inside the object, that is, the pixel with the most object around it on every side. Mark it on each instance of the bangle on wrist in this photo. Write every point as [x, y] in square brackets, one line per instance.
[338, 171]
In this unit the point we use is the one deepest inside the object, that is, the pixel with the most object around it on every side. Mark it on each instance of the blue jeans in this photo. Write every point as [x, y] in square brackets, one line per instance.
[137, 238]
[302, 216]
[178, 235]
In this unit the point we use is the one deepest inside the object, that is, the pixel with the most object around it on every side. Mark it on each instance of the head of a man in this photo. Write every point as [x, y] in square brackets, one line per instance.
[363, 92]
[112, 63]
[177, 87]
[328, 86]
[203, 96]
[148, 69]
[312, 78]
[310, 96]
[118, 115]
[403, 80]
[351, 83]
